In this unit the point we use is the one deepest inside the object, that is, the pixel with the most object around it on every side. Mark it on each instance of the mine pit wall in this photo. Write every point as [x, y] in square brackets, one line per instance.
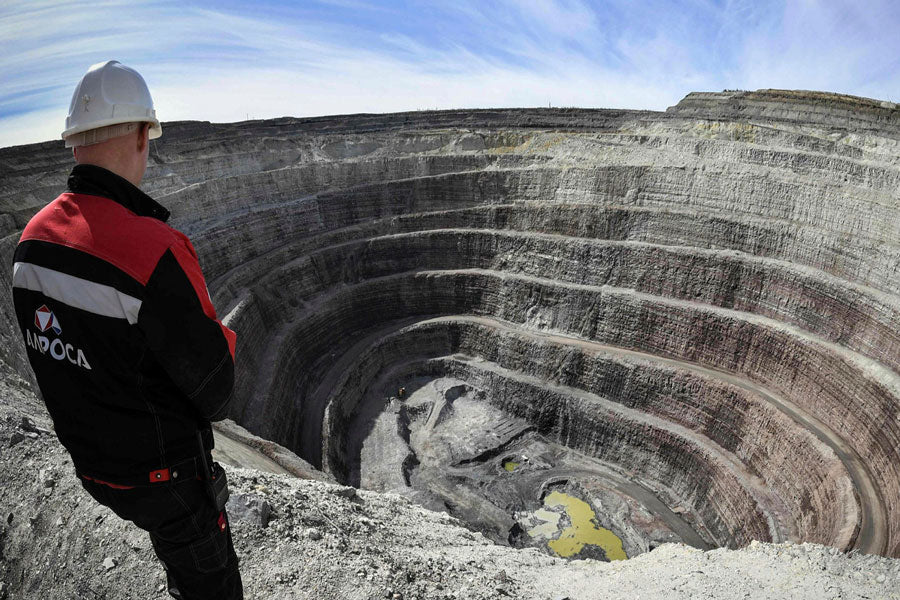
[640, 225]
[860, 318]
[841, 313]
[816, 377]
[12, 348]
[794, 107]
[856, 240]
[248, 320]
[35, 174]
[232, 196]
[814, 497]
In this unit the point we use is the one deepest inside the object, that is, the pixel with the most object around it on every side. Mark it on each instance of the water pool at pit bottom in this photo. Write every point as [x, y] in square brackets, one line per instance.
[583, 529]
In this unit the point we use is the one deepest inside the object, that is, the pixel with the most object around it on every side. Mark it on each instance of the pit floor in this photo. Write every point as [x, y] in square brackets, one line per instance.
[439, 442]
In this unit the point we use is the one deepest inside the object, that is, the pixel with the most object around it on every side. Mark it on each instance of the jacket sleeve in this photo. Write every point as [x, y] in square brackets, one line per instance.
[179, 322]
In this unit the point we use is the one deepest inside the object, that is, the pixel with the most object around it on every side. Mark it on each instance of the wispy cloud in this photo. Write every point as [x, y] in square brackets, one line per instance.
[224, 61]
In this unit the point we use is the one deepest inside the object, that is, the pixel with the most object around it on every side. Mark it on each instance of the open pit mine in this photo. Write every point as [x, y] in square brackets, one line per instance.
[585, 331]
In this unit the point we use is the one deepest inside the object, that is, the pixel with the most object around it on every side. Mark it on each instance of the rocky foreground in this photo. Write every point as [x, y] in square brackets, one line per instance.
[323, 541]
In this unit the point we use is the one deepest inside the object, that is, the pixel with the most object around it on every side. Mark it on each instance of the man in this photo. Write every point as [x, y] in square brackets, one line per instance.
[124, 342]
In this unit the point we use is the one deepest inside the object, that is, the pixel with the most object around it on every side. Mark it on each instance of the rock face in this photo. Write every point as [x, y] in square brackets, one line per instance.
[706, 299]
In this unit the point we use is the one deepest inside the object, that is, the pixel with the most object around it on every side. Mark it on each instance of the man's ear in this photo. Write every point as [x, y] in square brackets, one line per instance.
[143, 136]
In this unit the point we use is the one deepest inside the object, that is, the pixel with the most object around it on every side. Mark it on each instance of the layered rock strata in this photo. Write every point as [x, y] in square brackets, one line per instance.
[705, 297]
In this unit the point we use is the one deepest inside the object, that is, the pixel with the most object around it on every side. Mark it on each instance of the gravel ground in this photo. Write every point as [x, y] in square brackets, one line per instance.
[325, 541]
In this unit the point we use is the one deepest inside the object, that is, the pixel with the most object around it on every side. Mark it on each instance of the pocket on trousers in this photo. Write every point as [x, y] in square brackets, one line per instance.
[210, 553]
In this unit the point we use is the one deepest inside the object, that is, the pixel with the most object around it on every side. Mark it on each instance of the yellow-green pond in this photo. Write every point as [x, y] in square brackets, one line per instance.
[584, 529]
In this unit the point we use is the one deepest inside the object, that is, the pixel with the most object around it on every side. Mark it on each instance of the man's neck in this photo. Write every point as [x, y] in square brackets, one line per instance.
[97, 181]
[114, 167]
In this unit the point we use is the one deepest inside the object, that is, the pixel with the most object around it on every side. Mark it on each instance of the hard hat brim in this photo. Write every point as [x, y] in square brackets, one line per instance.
[155, 127]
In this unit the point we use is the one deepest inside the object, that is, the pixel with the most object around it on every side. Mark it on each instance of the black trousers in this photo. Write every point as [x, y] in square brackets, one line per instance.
[187, 534]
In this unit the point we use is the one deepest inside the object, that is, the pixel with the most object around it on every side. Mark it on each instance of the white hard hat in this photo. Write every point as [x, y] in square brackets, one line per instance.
[109, 94]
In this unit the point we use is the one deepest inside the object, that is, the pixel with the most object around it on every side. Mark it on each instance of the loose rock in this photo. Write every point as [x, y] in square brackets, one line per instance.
[249, 508]
[345, 492]
[46, 477]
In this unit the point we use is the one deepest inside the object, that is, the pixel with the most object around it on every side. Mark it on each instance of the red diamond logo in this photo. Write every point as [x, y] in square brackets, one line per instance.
[44, 319]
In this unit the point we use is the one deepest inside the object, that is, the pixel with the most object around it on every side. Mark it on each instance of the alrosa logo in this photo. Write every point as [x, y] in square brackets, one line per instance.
[45, 320]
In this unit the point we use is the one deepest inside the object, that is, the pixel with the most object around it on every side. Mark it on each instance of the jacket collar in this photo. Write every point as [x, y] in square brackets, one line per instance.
[97, 181]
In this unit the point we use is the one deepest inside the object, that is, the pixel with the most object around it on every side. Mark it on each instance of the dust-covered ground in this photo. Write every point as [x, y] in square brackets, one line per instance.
[325, 541]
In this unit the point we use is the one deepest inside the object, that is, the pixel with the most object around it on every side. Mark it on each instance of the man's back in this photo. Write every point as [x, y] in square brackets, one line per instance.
[119, 328]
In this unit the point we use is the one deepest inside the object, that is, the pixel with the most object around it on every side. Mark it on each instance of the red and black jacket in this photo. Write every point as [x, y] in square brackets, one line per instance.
[119, 328]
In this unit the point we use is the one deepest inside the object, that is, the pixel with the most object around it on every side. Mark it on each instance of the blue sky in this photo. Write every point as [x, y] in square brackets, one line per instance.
[228, 60]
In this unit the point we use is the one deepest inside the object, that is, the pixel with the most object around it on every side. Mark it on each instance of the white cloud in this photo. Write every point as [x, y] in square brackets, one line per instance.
[27, 128]
[388, 86]
[563, 18]
[833, 46]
